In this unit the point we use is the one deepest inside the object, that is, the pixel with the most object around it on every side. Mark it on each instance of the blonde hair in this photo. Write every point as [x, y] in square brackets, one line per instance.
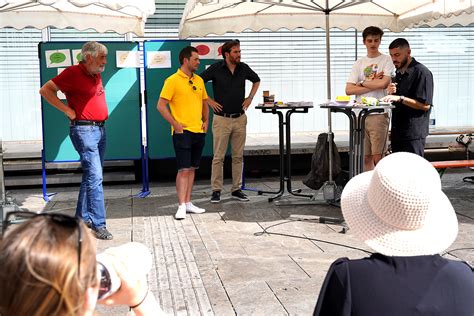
[39, 269]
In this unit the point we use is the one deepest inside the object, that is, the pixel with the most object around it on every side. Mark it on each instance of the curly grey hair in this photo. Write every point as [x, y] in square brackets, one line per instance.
[92, 49]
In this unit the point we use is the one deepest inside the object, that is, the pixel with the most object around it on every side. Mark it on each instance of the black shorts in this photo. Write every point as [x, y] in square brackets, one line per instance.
[188, 147]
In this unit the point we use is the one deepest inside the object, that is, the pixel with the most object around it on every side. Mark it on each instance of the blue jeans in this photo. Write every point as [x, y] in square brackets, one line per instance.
[89, 141]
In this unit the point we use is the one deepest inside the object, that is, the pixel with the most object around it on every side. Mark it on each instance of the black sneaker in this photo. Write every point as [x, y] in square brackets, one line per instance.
[239, 195]
[216, 197]
[88, 224]
[102, 233]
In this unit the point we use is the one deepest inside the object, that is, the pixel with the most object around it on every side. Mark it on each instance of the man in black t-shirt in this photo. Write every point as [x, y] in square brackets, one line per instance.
[412, 94]
[230, 122]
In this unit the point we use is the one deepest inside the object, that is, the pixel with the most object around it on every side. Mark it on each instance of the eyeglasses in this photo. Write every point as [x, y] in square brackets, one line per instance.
[18, 217]
[192, 84]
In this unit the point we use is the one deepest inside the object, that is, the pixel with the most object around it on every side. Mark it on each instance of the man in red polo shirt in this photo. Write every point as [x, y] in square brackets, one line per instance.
[86, 108]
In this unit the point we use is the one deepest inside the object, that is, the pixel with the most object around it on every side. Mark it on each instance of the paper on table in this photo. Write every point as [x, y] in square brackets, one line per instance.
[300, 103]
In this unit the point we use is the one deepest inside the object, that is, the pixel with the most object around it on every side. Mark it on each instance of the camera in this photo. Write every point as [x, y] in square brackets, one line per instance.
[136, 258]
[109, 281]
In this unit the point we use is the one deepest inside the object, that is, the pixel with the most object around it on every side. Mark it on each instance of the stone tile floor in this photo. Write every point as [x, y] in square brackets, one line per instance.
[244, 258]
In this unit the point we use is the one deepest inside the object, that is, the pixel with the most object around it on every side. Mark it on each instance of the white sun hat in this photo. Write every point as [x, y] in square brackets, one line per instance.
[398, 209]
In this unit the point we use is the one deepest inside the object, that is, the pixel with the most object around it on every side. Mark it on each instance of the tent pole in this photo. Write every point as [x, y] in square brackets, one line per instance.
[46, 34]
[328, 58]
[328, 78]
[355, 44]
[128, 37]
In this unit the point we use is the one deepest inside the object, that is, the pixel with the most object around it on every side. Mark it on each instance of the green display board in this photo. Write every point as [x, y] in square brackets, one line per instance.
[121, 79]
[161, 61]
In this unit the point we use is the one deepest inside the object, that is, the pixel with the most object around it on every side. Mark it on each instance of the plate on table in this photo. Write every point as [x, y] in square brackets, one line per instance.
[345, 103]
[385, 103]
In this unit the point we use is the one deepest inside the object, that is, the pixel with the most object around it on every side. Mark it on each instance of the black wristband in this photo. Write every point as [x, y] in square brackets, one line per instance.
[146, 294]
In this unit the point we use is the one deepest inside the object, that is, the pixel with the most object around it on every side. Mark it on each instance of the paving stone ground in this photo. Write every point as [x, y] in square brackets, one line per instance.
[238, 258]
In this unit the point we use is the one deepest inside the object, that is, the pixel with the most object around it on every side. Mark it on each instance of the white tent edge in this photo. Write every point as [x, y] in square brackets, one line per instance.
[200, 26]
[120, 16]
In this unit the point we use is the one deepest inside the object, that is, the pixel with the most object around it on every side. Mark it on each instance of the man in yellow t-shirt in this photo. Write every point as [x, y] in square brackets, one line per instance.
[188, 115]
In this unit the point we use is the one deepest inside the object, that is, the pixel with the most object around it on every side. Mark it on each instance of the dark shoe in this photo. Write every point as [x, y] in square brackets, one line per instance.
[102, 233]
[88, 224]
[239, 195]
[216, 197]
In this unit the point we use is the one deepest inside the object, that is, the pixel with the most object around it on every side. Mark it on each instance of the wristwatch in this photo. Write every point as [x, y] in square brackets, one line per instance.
[402, 98]
[361, 83]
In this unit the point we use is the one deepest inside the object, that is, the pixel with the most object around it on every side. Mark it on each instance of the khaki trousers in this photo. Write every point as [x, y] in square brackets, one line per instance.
[376, 134]
[223, 129]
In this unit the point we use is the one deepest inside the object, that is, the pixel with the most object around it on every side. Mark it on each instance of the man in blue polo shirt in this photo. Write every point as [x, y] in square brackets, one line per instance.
[230, 122]
[412, 94]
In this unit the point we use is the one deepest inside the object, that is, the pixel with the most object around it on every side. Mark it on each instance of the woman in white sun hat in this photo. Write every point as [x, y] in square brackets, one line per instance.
[399, 210]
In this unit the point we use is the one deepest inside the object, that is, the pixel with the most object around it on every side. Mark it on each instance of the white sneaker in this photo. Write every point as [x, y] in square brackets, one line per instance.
[181, 213]
[191, 208]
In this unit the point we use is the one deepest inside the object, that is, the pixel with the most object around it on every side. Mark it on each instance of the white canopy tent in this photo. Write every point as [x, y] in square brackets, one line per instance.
[203, 17]
[120, 16]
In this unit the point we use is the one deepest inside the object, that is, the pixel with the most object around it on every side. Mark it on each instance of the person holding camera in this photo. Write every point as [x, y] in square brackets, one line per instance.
[49, 267]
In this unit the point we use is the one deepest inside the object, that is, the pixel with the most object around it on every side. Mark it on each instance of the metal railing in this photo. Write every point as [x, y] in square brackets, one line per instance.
[7, 204]
[2, 178]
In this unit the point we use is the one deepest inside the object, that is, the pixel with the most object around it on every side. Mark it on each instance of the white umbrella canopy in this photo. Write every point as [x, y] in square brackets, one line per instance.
[121, 16]
[203, 17]
[451, 12]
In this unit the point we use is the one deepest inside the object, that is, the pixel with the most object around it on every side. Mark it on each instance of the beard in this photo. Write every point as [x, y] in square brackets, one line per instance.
[193, 68]
[100, 69]
[234, 61]
[403, 63]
